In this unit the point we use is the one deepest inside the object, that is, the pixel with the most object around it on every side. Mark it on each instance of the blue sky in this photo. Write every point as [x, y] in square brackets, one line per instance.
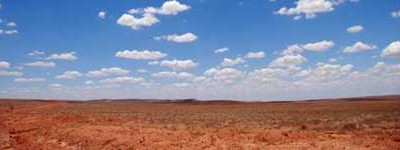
[269, 50]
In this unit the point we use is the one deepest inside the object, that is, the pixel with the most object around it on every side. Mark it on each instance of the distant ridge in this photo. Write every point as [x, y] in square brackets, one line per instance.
[191, 100]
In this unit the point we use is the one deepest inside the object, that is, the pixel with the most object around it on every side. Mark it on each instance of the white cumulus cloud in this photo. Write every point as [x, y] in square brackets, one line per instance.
[355, 29]
[135, 23]
[266, 74]
[183, 38]
[56, 86]
[307, 8]
[225, 74]
[179, 64]
[10, 73]
[288, 61]
[104, 72]
[358, 47]
[255, 55]
[121, 80]
[43, 64]
[172, 7]
[328, 72]
[4, 65]
[69, 75]
[221, 50]
[148, 14]
[227, 62]
[12, 24]
[384, 69]
[36, 53]
[172, 74]
[319, 46]
[393, 50]
[293, 49]
[396, 14]
[141, 55]
[63, 56]
[29, 80]
[102, 14]
[10, 32]
[153, 62]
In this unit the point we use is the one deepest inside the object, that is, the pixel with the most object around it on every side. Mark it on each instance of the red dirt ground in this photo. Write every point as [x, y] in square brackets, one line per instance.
[363, 123]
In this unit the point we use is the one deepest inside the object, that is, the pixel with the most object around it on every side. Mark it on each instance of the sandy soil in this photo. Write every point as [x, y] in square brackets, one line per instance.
[329, 124]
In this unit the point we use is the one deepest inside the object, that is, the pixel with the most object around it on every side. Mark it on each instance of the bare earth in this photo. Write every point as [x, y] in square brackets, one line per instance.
[364, 123]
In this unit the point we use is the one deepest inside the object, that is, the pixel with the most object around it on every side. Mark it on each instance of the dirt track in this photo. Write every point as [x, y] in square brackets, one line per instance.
[339, 124]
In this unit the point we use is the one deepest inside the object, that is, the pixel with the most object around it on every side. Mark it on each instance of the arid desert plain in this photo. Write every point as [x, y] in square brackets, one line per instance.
[356, 123]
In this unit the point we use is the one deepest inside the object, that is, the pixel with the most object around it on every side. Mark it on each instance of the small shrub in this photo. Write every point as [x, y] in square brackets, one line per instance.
[349, 126]
[303, 127]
